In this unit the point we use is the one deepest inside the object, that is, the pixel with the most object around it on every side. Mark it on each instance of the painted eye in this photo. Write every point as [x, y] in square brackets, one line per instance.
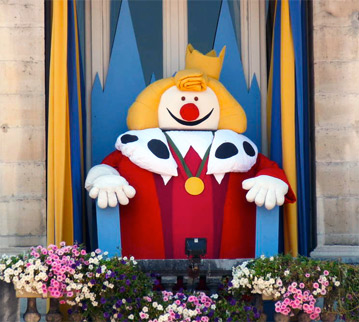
[196, 98]
[183, 98]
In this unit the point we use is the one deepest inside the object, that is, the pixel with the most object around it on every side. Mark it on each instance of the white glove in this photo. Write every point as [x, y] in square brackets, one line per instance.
[106, 184]
[265, 190]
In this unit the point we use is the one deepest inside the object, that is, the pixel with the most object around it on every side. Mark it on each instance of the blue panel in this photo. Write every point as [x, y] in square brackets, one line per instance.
[202, 23]
[233, 78]
[267, 231]
[301, 126]
[147, 23]
[276, 128]
[108, 230]
[153, 78]
[124, 82]
[75, 121]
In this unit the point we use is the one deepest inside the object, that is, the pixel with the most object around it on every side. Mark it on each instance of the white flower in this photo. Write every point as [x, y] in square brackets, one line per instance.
[131, 317]
[337, 283]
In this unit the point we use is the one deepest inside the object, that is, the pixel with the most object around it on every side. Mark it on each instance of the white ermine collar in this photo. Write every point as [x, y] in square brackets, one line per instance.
[148, 149]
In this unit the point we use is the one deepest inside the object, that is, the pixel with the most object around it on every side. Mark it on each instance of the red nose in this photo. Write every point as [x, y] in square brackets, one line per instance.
[189, 112]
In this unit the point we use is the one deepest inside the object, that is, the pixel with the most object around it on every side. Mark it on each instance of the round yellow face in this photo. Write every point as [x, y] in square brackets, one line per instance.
[188, 110]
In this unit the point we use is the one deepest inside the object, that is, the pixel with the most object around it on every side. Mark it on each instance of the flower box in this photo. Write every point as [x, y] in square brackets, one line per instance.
[25, 294]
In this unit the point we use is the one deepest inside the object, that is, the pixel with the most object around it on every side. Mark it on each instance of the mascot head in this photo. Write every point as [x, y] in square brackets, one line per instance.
[193, 99]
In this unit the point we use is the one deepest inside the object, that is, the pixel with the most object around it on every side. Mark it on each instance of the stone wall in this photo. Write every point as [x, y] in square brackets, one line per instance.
[336, 73]
[22, 124]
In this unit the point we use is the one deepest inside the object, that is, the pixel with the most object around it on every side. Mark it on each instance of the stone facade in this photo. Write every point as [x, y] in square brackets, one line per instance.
[336, 73]
[22, 125]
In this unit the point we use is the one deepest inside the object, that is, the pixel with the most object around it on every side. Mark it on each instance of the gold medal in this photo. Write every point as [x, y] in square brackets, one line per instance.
[194, 186]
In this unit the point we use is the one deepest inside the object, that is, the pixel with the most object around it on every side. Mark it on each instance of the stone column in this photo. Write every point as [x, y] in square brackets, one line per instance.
[9, 304]
[22, 125]
[336, 66]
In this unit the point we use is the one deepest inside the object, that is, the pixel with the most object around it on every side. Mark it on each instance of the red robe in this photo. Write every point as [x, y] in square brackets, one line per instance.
[157, 220]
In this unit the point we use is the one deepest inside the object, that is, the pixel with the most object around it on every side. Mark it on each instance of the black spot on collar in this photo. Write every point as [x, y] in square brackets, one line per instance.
[248, 149]
[226, 150]
[159, 149]
[128, 138]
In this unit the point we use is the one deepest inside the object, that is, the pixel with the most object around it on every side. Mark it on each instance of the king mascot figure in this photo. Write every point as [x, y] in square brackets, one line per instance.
[184, 170]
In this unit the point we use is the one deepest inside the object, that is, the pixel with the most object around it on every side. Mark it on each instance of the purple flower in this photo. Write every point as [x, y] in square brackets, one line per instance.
[122, 289]
[257, 315]
[93, 282]
[103, 300]
[134, 277]
[106, 315]
[128, 282]
[232, 302]
[118, 303]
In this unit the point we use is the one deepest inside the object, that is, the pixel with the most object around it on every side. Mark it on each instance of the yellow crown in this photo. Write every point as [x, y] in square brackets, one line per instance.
[209, 64]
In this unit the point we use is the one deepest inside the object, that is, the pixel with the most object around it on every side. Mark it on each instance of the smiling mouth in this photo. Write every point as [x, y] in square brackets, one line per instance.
[193, 123]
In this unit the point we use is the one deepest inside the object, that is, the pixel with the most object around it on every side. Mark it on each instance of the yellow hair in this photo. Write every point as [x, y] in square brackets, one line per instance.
[143, 113]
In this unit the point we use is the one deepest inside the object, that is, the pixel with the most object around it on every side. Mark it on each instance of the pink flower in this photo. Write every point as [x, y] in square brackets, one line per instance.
[316, 285]
[313, 316]
[326, 273]
[301, 285]
[191, 298]
[307, 275]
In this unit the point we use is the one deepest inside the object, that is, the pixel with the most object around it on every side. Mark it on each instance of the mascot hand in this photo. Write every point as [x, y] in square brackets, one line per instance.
[265, 190]
[106, 184]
